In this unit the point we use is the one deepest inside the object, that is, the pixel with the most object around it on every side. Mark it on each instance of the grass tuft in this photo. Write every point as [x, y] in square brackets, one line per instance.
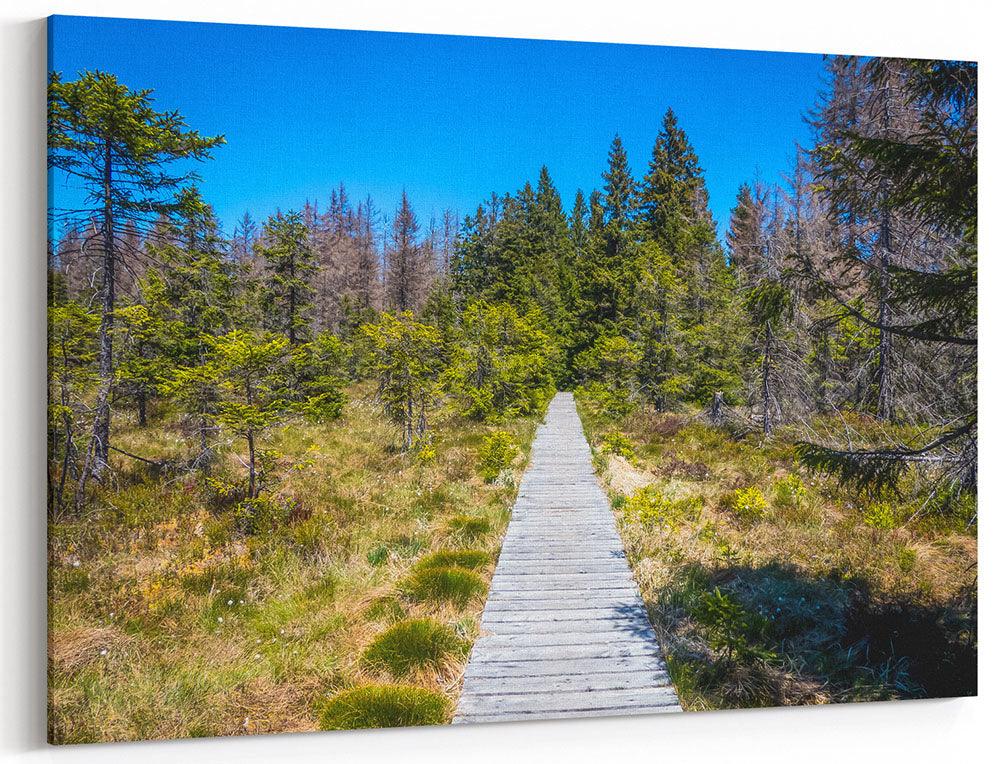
[384, 705]
[413, 644]
[471, 559]
[455, 585]
[469, 527]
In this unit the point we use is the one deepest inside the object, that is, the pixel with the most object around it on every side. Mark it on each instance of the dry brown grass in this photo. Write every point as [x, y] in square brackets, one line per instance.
[824, 592]
[212, 632]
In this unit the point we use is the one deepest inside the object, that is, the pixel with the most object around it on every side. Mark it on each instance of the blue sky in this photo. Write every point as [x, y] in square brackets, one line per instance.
[451, 119]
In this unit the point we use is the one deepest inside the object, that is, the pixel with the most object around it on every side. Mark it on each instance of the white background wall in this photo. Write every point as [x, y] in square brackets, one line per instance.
[916, 731]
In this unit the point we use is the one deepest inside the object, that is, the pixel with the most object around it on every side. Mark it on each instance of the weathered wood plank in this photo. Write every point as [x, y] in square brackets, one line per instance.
[564, 632]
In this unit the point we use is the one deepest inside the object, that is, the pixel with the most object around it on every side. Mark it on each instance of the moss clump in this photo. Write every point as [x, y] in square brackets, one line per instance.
[384, 705]
[450, 584]
[413, 644]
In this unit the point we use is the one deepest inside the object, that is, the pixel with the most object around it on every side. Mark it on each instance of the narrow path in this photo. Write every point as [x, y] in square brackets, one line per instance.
[564, 632]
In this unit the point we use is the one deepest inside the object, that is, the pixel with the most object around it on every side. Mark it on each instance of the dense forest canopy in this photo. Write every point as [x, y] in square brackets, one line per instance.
[848, 286]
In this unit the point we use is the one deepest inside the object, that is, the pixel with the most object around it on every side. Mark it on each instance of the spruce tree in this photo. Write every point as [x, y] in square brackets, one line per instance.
[289, 266]
[113, 142]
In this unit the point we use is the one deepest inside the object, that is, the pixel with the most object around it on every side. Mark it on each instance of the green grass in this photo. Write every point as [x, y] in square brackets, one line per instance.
[469, 527]
[473, 559]
[769, 585]
[147, 574]
[374, 706]
[414, 644]
[457, 586]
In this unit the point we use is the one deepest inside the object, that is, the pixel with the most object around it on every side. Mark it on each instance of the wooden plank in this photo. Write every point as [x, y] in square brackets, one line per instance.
[564, 632]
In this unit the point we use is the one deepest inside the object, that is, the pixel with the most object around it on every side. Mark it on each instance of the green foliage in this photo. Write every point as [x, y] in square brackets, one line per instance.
[504, 365]
[610, 368]
[444, 584]
[617, 443]
[377, 706]
[405, 356]
[789, 491]
[733, 630]
[289, 265]
[649, 507]
[378, 555]
[748, 504]
[879, 515]
[413, 644]
[497, 454]
[906, 558]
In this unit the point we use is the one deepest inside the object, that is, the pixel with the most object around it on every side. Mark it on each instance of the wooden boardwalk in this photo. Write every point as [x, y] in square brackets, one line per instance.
[564, 632]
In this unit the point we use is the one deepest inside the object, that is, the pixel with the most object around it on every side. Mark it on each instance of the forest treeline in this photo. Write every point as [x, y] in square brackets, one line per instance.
[848, 286]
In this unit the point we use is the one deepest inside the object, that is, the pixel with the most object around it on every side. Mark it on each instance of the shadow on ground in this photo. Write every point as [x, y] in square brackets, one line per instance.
[758, 636]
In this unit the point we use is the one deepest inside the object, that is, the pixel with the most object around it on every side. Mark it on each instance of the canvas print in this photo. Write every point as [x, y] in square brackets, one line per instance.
[404, 379]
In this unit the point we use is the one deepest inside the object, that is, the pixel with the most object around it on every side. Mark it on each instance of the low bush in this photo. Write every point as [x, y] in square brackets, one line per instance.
[650, 507]
[496, 455]
[411, 645]
[733, 631]
[879, 515]
[617, 443]
[748, 504]
[789, 492]
[455, 585]
[384, 705]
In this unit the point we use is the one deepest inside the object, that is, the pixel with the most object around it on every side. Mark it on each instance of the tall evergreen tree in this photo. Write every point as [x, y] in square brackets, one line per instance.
[111, 140]
[289, 265]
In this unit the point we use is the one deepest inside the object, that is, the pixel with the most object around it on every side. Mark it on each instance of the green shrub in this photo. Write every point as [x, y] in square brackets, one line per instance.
[616, 443]
[469, 526]
[733, 630]
[879, 515]
[424, 451]
[471, 559]
[906, 558]
[496, 454]
[789, 491]
[649, 507]
[261, 515]
[748, 504]
[412, 645]
[455, 585]
[380, 705]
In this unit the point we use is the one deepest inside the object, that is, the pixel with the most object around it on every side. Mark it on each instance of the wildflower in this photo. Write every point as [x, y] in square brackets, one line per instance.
[76, 563]
[104, 651]
[219, 619]
[230, 603]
